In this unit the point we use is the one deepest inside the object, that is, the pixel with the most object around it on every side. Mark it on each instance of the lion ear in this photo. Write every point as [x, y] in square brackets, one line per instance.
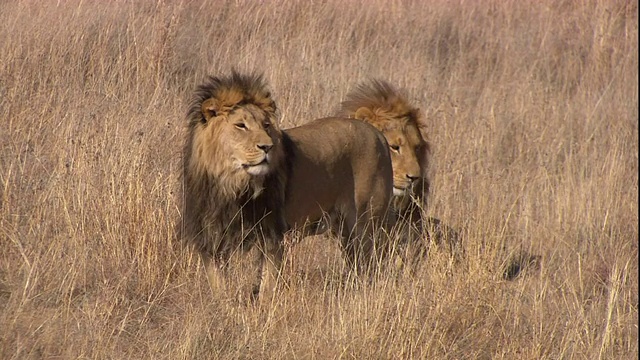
[365, 114]
[209, 109]
[416, 115]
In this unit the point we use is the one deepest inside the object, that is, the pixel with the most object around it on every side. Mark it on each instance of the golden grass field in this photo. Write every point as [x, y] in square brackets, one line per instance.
[533, 119]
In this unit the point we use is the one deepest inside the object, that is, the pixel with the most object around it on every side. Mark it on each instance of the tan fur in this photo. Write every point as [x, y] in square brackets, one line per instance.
[340, 168]
[381, 105]
[232, 199]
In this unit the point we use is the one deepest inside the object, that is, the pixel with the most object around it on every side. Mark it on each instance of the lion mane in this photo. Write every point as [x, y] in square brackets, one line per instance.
[234, 181]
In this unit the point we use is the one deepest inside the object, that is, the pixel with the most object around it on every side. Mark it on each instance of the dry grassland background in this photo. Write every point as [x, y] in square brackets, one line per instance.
[533, 117]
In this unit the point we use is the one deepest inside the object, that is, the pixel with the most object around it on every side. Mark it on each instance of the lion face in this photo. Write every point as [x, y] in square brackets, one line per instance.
[244, 136]
[406, 146]
[250, 134]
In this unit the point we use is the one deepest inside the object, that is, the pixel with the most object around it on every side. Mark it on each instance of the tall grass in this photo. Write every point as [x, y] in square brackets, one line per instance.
[533, 112]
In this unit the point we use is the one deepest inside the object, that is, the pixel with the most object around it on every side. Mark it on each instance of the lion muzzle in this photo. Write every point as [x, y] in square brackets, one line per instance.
[405, 186]
[398, 191]
[262, 167]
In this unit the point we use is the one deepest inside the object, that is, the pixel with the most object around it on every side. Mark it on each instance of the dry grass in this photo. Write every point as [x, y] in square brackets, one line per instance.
[533, 110]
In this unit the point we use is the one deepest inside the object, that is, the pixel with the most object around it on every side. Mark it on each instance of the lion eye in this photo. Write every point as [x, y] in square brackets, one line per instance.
[241, 126]
[266, 125]
[395, 148]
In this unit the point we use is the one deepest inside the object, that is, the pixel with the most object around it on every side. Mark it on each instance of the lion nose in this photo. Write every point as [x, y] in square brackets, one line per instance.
[265, 147]
[413, 178]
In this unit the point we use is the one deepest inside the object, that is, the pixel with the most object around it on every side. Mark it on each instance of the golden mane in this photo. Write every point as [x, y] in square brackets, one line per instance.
[229, 92]
[386, 102]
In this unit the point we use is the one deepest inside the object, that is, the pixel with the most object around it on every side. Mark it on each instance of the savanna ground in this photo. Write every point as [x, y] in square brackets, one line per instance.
[533, 117]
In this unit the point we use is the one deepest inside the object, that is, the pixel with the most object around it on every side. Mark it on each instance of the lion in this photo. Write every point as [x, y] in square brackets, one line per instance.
[234, 176]
[387, 109]
[340, 177]
[246, 182]
[380, 104]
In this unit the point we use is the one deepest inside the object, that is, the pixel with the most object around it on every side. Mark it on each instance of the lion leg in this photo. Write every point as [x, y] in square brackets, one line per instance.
[215, 273]
[370, 242]
[348, 244]
[270, 265]
[349, 252]
[369, 249]
[357, 244]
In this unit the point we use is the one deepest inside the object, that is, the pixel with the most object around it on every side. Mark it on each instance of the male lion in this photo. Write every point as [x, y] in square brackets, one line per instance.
[340, 167]
[234, 178]
[383, 106]
[238, 168]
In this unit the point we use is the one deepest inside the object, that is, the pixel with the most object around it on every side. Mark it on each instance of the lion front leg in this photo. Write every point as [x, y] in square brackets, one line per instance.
[215, 270]
[270, 262]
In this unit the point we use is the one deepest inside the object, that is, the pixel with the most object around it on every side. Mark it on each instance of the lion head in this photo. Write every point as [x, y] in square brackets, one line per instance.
[404, 127]
[233, 182]
[232, 132]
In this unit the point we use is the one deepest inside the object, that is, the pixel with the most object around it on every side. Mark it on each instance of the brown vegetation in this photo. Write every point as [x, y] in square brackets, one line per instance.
[532, 110]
